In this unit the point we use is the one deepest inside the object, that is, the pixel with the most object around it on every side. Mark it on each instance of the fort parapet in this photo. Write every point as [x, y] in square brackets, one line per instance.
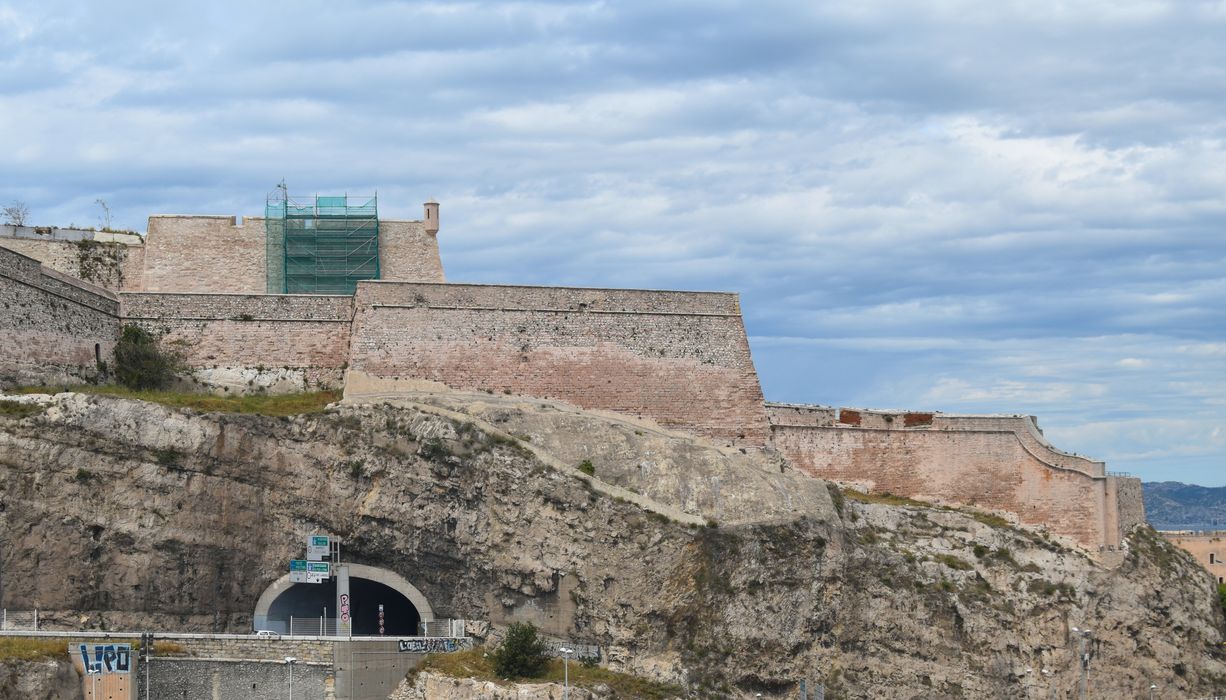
[681, 359]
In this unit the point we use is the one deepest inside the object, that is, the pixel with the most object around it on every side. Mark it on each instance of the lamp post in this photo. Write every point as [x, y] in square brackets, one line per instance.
[289, 661]
[566, 652]
[1152, 688]
[1083, 658]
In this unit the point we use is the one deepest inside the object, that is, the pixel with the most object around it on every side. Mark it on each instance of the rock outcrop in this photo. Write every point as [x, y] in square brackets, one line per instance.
[720, 570]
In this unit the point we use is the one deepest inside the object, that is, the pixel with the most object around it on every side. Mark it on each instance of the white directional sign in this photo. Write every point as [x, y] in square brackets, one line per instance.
[318, 571]
[317, 547]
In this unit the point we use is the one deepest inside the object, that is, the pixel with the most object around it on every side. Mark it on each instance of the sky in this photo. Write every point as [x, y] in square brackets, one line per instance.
[989, 207]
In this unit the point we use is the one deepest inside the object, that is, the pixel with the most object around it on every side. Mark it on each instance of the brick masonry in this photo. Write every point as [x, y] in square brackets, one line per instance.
[680, 358]
[999, 463]
[53, 328]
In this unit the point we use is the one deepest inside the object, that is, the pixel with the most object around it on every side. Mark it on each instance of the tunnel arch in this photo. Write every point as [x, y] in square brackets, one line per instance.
[387, 578]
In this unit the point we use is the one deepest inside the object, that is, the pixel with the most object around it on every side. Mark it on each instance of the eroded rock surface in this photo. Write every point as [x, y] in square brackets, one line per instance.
[123, 514]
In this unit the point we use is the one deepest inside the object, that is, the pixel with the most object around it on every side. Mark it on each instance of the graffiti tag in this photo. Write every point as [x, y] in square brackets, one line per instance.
[108, 658]
[433, 645]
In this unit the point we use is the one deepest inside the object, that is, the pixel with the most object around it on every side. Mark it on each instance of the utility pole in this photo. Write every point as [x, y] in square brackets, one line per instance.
[289, 661]
[1083, 657]
[565, 672]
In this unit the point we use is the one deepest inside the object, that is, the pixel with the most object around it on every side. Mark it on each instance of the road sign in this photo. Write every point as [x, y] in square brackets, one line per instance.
[298, 565]
[317, 547]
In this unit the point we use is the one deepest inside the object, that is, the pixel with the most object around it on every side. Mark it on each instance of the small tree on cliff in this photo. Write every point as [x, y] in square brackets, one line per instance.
[522, 654]
[141, 363]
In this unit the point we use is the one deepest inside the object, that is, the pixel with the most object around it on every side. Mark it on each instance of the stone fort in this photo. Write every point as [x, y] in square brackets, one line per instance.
[323, 293]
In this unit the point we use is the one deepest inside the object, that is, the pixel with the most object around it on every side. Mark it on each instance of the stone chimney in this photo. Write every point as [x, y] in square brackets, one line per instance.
[431, 219]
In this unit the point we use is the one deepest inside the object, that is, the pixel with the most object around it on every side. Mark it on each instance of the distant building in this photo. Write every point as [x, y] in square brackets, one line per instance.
[1209, 548]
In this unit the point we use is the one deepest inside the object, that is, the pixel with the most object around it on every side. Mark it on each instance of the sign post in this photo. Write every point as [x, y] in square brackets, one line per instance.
[344, 621]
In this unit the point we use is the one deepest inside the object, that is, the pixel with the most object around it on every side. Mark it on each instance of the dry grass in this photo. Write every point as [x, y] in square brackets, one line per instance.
[32, 648]
[474, 663]
[261, 404]
[16, 409]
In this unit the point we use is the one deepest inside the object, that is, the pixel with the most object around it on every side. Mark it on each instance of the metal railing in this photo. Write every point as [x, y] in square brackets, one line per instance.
[19, 619]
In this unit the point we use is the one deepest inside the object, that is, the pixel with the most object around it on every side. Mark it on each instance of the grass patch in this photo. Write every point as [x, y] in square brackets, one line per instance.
[952, 562]
[16, 409]
[261, 404]
[32, 648]
[474, 663]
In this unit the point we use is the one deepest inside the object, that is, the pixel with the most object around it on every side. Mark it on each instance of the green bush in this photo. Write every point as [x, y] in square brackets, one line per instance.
[140, 361]
[587, 468]
[1221, 592]
[522, 654]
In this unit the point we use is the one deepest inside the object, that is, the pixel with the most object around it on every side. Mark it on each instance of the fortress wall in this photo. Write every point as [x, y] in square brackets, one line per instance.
[306, 334]
[680, 358]
[111, 265]
[211, 254]
[801, 415]
[988, 469]
[407, 253]
[1130, 502]
[53, 328]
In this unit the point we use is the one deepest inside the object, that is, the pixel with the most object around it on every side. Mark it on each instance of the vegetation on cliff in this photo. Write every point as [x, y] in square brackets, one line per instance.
[141, 363]
[479, 663]
[257, 404]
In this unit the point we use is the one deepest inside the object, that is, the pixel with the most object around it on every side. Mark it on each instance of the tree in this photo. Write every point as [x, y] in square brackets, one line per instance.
[17, 213]
[140, 361]
[105, 219]
[522, 654]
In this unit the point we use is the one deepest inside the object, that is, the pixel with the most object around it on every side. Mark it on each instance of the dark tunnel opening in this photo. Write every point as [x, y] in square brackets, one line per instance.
[308, 600]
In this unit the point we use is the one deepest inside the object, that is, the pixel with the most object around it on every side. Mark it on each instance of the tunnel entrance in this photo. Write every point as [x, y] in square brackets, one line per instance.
[309, 600]
[404, 606]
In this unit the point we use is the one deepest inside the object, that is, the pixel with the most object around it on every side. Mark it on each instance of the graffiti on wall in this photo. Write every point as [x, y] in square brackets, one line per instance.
[107, 658]
[434, 645]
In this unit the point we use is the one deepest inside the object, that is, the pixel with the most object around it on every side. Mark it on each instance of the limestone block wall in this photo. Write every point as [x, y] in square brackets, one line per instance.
[213, 254]
[1209, 548]
[996, 463]
[407, 253]
[53, 328]
[238, 341]
[110, 260]
[680, 358]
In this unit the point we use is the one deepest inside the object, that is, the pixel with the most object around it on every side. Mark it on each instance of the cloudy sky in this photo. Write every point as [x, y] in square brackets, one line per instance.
[1007, 207]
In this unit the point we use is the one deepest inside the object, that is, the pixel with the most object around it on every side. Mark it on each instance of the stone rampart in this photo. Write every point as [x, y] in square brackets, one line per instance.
[204, 254]
[110, 260]
[239, 342]
[53, 328]
[679, 358]
[407, 253]
[996, 463]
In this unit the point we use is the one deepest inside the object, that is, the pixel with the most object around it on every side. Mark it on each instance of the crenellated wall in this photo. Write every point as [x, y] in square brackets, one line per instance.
[997, 463]
[680, 358]
[53, 328]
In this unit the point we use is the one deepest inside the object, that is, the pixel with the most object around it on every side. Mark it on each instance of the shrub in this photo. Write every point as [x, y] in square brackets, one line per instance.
[1221, 592]
[141, 363]
[586, 467]
[522, 654]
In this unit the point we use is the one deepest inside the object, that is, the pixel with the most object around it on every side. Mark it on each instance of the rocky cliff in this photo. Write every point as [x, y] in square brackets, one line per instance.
[721, 570]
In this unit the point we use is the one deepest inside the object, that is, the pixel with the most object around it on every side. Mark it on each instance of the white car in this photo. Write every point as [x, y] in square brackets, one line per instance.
[267, 633]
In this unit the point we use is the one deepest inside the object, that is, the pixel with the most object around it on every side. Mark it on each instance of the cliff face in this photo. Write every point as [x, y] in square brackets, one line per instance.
[124, 514]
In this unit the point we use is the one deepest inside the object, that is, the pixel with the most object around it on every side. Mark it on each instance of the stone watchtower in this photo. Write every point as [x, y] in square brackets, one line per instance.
[431, 220]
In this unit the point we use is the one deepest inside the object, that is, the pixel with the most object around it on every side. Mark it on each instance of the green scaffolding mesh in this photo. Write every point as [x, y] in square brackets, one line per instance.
[321, 245]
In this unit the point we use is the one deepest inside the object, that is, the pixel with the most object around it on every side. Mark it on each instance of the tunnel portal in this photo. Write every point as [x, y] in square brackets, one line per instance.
[404, 606]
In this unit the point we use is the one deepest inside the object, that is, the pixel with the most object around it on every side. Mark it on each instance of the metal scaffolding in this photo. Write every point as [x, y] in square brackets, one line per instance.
[321, 245]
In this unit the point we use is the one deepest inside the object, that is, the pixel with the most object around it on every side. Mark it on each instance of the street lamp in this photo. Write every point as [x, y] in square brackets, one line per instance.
[565, 672]
[1084, 658]
[1152, 688]
[289, 661]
